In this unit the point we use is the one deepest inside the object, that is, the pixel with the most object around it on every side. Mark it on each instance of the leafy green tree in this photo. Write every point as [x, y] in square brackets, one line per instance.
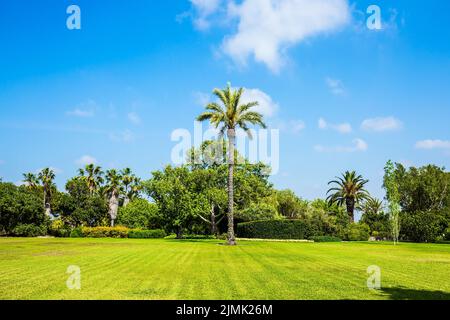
[424, 226]
[349, 190]
[19, 206]
[374, 216]
[139, 214]
[264, 210]
[289, 205]
[179, 206]
[420, 199]
[421, 189]
[230, 116]
[78, 207]
[393, 197]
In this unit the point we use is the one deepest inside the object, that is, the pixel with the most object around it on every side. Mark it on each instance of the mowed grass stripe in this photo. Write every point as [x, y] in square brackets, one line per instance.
[171, 269]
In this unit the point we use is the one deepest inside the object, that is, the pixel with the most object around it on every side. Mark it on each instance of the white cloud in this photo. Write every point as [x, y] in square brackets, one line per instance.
[336, 86]
[201, 98]
[381, 124]
[267, 107]
[359, 145]
[266, 28]
[134, 118]
[341, 127]
[433, 144]
[80, 113]
[204, 9]
[288, 126]
[296, 126]
[124, 136]
[84, 110]
[85, 160]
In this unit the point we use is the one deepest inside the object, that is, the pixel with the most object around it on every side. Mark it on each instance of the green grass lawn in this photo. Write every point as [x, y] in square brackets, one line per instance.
[171, 269]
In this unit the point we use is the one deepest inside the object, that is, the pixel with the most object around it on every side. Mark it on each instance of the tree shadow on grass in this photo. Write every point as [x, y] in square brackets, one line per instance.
[402, 293]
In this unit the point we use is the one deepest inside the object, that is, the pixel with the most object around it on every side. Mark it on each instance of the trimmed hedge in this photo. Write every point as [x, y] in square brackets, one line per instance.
[116, 232]
[29, 230]
[326, 239]
[100, 232]
[276, 229]
[146, 234]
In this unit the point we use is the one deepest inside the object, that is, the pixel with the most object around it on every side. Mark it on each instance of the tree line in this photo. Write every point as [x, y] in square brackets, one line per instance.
[213, 192]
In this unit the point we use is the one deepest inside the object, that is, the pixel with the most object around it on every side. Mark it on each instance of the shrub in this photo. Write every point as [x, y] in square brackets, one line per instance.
[276, 229]
[326, 239]
[258, 212]
[29, 230]
[447, 234]
[139, 214]
[146, 234]
[59, 229]
[105, 232]
[77, 233]
[357, 232]
[422, 226]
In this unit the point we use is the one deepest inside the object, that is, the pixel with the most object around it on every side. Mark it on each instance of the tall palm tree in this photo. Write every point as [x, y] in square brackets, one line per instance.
[112, 189]
[349, 190]
[228, 115]
[93, 176]
[131, 185]
[30, 180]
[46, 177]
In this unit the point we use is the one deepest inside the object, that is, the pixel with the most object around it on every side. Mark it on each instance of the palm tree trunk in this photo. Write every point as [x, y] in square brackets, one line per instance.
[231, 142]
[350, 203]
[113, 207]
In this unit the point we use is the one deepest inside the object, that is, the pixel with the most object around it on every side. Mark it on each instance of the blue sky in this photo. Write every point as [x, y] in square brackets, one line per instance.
[344, 97]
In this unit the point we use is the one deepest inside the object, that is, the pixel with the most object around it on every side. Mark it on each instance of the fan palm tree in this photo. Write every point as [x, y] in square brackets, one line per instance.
[130, 185]
[112, 190]
[93, 175]
[349, 190]
[46, 177]
[227, 115]
[30, 180]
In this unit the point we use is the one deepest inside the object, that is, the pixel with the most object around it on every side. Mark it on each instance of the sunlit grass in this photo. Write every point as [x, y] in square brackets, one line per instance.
[171, 269]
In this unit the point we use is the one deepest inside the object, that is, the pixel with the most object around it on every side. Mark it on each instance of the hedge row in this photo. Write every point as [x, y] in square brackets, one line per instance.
[146, 234]
[116, 232]
[276, 229]
[300, 230]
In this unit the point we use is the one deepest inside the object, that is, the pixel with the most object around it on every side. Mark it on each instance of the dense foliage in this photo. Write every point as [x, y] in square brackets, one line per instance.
[19, 206]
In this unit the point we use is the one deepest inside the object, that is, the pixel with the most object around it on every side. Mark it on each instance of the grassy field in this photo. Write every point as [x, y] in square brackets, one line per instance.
[171, 269]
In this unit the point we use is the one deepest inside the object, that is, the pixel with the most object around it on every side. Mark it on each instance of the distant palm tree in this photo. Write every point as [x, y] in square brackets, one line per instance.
[349, 190]
[131, 184]
[30, 180]
[93, 175]
[112, 189]
[229, 116]
[46, 177]
[373, 206]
